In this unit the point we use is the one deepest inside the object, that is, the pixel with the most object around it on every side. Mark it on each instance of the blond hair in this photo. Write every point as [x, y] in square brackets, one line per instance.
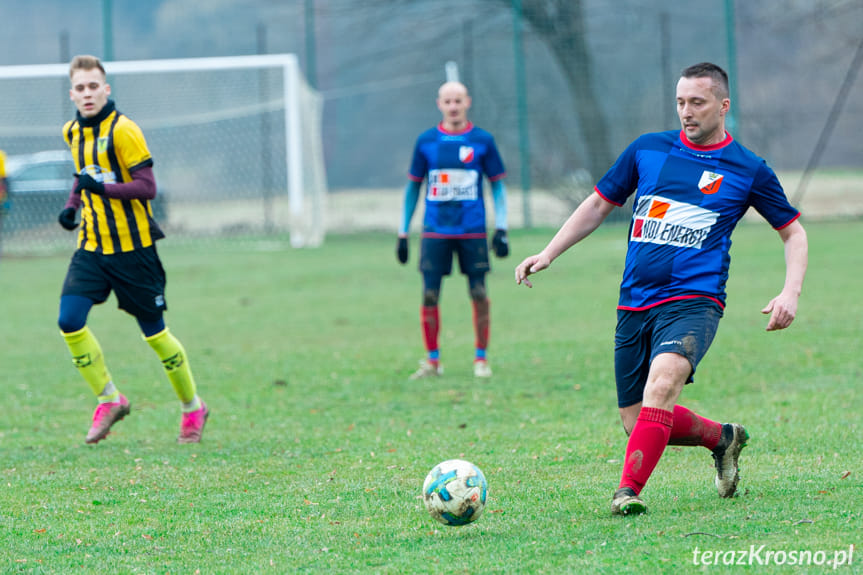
[85, 62]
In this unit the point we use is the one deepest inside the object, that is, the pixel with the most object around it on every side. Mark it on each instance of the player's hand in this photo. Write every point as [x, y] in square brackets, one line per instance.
[67, 218]
[782, 310]
[402, 250]
[529, 266]
[500, 243]
[87, 182]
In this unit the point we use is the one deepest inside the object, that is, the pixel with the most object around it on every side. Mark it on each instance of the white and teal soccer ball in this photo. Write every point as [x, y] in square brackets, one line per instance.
[454, 492]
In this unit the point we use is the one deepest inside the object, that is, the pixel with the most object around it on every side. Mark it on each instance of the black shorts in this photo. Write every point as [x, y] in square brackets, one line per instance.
[137, 279]
[685, 327]
[436, 256]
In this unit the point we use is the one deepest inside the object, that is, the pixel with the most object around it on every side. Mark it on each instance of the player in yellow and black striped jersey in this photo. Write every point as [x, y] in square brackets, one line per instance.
[116, 249]
[3, 186]
[110, 147]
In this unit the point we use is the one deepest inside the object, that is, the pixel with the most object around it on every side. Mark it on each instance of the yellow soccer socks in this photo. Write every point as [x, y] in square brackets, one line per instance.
[87, 357]
[176, 364]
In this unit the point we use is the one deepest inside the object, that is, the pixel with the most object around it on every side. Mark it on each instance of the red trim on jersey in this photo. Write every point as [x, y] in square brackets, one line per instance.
[675, 298]
[467, 129]
[473, 236]
[415, 178]
[728, 139]
[498, 177]
[791, 221]
[601, 195]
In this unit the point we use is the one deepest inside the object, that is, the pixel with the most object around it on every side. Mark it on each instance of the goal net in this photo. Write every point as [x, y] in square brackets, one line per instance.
[236, 145]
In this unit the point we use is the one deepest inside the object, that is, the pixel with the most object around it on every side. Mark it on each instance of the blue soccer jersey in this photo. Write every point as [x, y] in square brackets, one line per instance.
[454, 163]
[688, 199]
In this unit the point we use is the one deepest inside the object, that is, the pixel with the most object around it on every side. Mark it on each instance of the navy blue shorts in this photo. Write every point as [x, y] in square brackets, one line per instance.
[137, 278]
[436, 256]
[685, 327]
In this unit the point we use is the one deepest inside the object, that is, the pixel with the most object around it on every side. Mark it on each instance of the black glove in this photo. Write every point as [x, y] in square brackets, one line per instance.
[500, 244]
[67, 218]
[402, 250]
[86, 181]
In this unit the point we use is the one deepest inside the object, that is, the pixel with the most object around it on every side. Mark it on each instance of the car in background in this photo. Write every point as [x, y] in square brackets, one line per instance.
[38, 187]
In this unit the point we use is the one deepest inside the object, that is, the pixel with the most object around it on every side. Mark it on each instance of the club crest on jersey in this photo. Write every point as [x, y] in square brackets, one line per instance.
[465, 154]
[709, 182]
[663, 221]
[102, 145]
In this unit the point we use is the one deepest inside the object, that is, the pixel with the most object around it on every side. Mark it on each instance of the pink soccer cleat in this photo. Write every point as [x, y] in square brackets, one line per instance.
[106, 415]
[192, 426]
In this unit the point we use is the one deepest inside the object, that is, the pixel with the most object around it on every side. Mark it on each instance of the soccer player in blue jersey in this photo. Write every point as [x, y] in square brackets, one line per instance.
[453, 157]
[691, 188]
[116, 250]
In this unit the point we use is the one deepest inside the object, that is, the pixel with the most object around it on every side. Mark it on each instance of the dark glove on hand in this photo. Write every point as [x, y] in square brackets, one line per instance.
[402, 250]
[67, 218]
[500, 244]
[86, 181]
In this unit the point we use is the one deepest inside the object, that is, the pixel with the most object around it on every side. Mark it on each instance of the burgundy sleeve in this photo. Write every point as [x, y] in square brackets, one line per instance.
[142, 186]
[74, 200]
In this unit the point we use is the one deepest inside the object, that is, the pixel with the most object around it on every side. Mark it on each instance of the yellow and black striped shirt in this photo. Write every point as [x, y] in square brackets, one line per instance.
[112, 145]
[2, 178]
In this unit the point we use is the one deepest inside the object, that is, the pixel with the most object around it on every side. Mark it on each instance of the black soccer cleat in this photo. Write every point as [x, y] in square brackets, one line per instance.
[725, 455]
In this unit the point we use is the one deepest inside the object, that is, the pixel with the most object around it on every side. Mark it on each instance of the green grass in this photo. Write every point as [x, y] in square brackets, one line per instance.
[318, 445]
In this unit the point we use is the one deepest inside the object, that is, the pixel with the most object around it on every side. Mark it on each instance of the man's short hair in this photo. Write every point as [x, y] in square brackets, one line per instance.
[712, 71]
[85, 62]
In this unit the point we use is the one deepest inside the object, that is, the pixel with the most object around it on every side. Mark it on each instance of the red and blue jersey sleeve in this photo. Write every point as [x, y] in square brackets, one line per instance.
[768, 198]
[622, 178]
[492, 165]
[420, 161]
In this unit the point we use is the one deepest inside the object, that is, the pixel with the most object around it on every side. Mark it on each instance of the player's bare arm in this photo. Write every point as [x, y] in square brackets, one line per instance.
[783, 308]
[586, 218]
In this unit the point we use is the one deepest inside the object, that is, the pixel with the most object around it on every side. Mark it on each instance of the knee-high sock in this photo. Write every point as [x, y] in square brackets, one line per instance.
[689, 428]
[176, 364]
[430, 318]
[87, 357]
[481, 322]
[646, 444]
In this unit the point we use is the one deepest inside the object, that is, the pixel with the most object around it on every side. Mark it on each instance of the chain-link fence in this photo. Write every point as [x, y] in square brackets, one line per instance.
[564, 86]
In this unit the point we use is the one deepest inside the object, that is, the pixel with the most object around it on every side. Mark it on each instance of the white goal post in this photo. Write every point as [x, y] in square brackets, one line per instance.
[236, 141]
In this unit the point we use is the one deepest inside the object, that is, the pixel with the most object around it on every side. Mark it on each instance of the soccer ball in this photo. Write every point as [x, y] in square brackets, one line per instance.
[454, 492]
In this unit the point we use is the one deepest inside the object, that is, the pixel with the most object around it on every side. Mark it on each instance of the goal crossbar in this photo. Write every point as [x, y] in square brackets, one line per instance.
[287, 62]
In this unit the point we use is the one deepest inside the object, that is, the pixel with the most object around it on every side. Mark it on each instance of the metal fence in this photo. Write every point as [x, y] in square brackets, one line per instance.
[564, 85]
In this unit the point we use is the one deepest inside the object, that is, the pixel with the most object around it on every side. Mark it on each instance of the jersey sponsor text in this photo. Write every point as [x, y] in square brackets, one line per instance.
[663, 221]
[452, 185]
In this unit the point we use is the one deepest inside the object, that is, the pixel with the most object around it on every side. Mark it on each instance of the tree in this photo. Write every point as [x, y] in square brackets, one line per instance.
[560, 23]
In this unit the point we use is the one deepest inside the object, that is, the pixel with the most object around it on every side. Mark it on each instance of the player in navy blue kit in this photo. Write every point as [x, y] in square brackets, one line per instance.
[453, 157]
[691, 188]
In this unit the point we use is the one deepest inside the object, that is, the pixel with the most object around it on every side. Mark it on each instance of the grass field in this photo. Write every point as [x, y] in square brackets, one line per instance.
[317, 445]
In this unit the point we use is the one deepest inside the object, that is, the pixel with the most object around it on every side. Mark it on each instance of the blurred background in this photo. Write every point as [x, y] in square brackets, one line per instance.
[563, 85]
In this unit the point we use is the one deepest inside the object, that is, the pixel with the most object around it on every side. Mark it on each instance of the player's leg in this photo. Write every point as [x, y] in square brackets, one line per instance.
[174, 360]
[688, 428]
[83, 287]
[435, 262]
[679, 336]
[431, 365]
[474, 263]
[138, 280]
[481, 324]
[643, 390]
[692, 325]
